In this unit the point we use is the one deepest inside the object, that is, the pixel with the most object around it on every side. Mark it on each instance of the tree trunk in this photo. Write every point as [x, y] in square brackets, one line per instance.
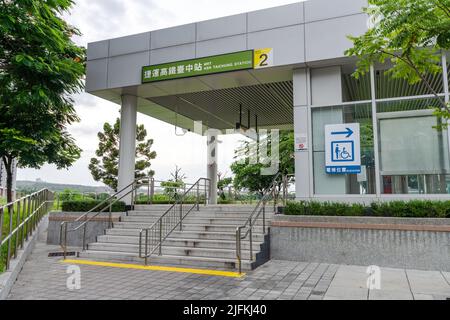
[9, 178]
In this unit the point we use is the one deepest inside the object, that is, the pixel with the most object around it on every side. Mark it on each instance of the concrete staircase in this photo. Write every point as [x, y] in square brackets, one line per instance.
[208, 239]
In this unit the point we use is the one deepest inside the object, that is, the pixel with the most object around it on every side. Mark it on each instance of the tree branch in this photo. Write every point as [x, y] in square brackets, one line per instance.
[443, 8]
[421, 76]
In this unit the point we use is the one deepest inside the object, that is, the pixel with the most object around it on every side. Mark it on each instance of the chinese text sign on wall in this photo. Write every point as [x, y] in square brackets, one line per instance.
[198, 67]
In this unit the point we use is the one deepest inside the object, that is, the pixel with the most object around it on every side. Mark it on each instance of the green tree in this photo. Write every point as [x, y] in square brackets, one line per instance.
[172, 186]
[248, 175]
[411, 34]
[40, 68]
[222, 183]
[105, 167]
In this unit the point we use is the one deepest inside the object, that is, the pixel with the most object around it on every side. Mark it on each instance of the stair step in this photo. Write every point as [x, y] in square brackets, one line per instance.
[201, 214]
[186, 234]
[209, 208]
[197, 262]
[187, 227]
[177, 251]
[208, 237]
[194, 220]
[182, 242]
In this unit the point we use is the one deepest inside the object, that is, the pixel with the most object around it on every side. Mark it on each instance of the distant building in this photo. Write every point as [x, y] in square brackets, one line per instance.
[3, 179]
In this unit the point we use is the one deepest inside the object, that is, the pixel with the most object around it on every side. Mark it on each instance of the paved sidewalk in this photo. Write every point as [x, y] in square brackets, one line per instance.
[350, 283]
[45, 278]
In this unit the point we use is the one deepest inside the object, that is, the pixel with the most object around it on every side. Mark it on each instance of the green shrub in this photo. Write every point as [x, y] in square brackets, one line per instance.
[402, 209]
[86, 205]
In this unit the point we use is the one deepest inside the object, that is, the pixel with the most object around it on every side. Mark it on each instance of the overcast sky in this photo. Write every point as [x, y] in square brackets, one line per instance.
[105, 19]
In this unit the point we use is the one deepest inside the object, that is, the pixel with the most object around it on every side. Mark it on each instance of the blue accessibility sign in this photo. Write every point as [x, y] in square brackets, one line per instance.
[342, 149]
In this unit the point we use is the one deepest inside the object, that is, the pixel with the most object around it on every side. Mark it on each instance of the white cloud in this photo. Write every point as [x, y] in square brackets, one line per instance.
[105, 19]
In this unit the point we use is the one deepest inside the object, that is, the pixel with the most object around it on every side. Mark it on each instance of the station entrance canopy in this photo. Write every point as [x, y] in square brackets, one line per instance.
[216, 90]
[205, 71]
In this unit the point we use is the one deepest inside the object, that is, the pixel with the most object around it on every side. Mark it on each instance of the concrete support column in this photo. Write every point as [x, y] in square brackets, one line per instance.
[375, 132]
[212, 163]
[446, 89]
[302, 132]
[127, 149]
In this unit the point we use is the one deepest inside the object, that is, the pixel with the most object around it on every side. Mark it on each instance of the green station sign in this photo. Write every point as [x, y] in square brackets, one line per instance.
[198, 67]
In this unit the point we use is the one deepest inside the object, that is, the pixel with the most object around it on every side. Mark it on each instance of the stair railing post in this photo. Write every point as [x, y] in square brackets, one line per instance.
[1, 230]
[84, 236]
[251, 240]
[160, 237]
[22, 219]
[274, 199]
[17, 232]
[65, 240]
[148, 190]
[146, 246]
[110, 216]
[264, 218]
[206, 192]
[30, 213]
[238, 248]
[8, 254]
[198, 196]
[152, 190]
[133, 194]
[181, 214]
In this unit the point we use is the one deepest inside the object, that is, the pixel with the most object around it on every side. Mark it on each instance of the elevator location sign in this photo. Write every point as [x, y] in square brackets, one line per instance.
[198, 67]
[342, 149]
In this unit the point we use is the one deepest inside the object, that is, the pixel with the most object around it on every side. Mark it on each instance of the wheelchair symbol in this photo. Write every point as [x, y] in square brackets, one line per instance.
[342, 151]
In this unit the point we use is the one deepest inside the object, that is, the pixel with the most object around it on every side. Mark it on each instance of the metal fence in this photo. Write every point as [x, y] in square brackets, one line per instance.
[18, 221]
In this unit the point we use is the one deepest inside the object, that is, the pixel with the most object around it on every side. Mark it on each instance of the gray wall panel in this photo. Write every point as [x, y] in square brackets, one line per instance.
[96, 74]
[222, 27]
[172, 54]
[328, 39]
[222, 45]
[131, 44]
[275, 17]
[173, 36]
[126, 70]
[326, 86]
[98, 50]
[325, 9]
[287, 44]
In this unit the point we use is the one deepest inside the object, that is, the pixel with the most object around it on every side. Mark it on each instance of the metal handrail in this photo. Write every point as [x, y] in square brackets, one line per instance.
[119, 195]
[156, 229]
[30, 210]
[249, 224]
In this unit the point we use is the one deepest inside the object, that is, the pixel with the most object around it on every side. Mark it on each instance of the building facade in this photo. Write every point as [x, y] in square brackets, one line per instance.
[299, 79]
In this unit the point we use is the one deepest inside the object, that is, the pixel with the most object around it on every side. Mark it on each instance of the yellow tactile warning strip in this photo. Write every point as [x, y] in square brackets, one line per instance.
[205, 272]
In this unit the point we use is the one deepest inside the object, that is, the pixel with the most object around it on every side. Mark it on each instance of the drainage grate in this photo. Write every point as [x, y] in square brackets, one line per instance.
[61, 254]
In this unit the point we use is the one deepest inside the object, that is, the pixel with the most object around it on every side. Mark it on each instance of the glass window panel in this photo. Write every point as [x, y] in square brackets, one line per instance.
[324, 183]
[414, 156]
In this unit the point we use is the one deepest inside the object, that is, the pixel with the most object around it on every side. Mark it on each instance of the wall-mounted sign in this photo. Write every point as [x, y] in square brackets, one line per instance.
[301, 142]
[342, 149]
[198, 67]
[263, 58]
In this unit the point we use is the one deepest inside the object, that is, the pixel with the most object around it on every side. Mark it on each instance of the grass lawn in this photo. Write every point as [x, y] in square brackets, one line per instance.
[5, 231]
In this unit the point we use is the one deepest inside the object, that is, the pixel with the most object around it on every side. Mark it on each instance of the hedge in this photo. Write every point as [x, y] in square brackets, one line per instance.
[402, 209]
[86, 205]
